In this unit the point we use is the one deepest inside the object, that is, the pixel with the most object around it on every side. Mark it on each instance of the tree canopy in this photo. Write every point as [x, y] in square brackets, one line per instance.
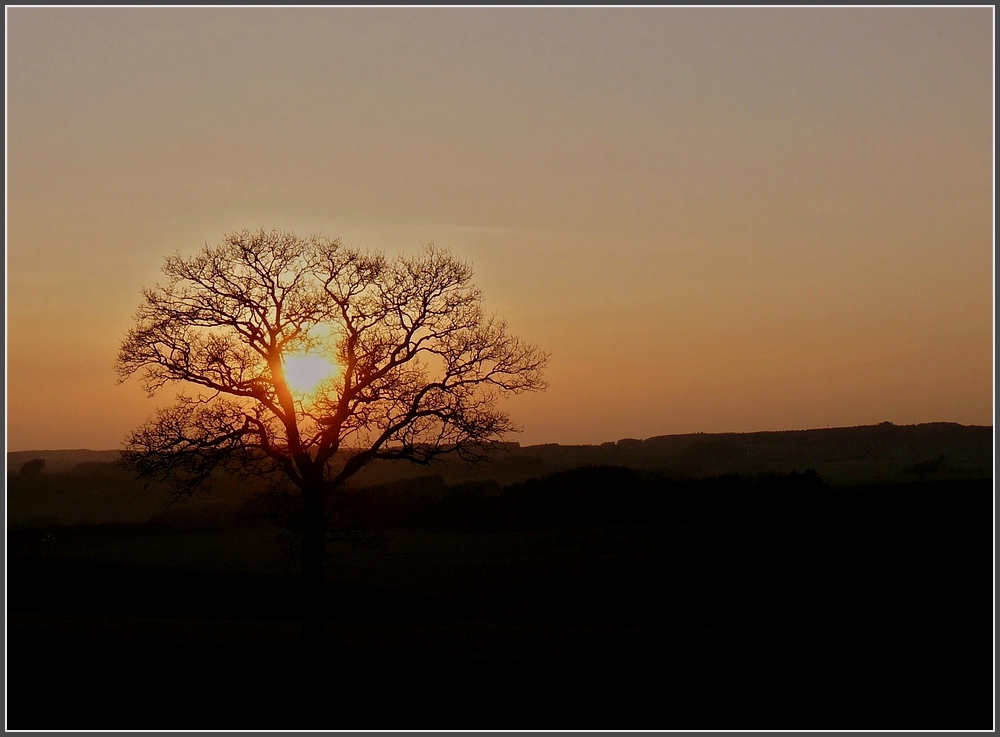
[416, 363]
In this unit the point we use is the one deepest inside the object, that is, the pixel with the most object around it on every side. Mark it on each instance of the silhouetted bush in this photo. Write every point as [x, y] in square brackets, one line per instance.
[33, 467]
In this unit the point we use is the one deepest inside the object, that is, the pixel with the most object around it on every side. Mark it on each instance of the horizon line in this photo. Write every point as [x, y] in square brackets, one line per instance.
[606, 442]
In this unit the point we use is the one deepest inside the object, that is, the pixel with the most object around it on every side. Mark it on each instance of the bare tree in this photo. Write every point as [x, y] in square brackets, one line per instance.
[406, 364]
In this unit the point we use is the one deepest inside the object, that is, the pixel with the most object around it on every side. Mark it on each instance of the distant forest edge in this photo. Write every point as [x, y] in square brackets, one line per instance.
[805, 473]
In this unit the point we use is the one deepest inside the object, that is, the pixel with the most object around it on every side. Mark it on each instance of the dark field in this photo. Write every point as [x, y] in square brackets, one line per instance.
[856, 622]
[594, 598]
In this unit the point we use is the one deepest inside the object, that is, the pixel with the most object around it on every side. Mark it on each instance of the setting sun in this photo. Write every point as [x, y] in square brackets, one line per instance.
[305, 372]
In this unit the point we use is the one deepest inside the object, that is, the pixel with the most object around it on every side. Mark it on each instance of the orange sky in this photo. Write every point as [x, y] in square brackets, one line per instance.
[714, 219]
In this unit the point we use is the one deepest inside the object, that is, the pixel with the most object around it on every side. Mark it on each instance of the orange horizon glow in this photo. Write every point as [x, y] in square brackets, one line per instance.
[713, 219]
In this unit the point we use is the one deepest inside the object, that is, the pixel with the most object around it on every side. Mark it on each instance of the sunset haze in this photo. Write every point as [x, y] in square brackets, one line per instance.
[714, 220]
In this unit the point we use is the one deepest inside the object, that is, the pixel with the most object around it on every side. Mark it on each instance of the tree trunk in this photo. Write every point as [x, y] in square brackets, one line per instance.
[313, 564]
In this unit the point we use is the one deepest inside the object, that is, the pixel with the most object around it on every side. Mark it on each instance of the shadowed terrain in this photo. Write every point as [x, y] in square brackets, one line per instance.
[598, 596]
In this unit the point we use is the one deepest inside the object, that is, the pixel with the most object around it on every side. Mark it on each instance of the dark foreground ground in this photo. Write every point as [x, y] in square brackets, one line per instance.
[598, 677]
[877, 617]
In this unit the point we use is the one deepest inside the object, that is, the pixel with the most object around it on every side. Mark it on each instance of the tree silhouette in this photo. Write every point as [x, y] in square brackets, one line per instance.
[420, 366]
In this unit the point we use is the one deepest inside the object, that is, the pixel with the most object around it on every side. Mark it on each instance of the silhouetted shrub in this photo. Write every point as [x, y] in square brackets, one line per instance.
[33, 467]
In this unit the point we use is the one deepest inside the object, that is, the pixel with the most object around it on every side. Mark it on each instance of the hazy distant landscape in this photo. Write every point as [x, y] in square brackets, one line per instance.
[84, 486]
[703, 571]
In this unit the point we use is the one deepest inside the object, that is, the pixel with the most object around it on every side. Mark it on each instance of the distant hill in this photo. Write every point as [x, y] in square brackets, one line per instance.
[58, 461]
[83, 486]
[842, 456]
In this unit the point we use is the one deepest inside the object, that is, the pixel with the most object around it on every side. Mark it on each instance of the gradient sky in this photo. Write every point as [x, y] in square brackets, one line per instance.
[714, 219]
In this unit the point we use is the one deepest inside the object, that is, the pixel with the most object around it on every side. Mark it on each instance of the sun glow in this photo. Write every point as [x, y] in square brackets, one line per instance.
[305, 372]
